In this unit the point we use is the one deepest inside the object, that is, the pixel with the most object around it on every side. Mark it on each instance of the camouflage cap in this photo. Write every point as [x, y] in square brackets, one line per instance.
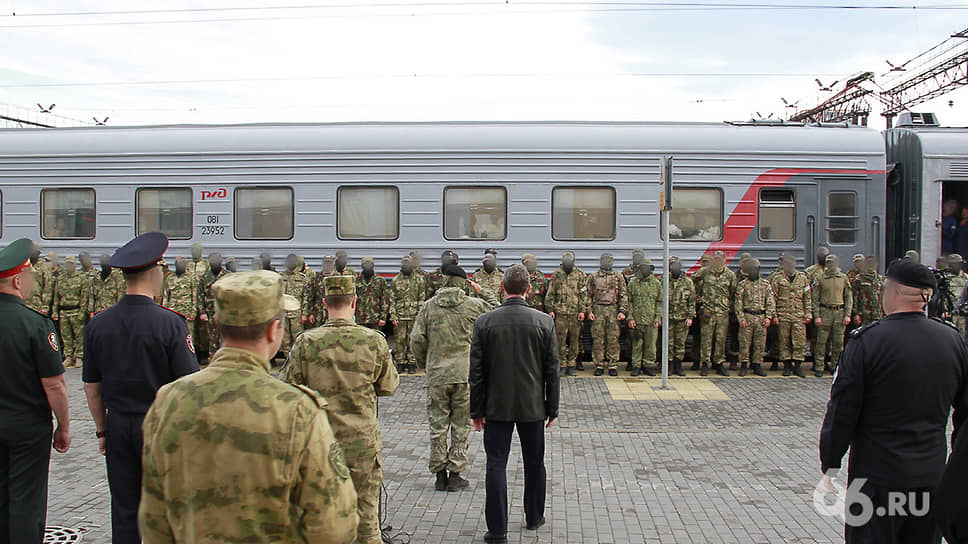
[406, 259]
[337, 286]
[329, 258]
[70, 259]
[51, 256]
[859, 257]
[955, 258]
[251, 298]
[341, 253]
[528, 257]
[745, 257]
[832, 259]
[568, 254]
[367, 260]
[229, 260]
[754, 263]
[605, 255]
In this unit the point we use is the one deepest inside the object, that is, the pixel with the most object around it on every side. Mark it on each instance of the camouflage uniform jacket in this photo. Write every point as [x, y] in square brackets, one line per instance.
[106, 293]
[645, 300]
[956, 284]
[73, 291]
[441, 336]
[433, 282]
[405, 294]
[313, 295]
[794, 301]
[715, 290]
[813, 273]
[233, 455]
[755, 296]
[606, 288]
[295, 283]
[567, 293]
[204, 296]
[832, 289]
[682, 299]
[490, 280]
[43, 292]
[867, 297]
[180, 296]
[350, 366]
[372, 302]
[539, 287]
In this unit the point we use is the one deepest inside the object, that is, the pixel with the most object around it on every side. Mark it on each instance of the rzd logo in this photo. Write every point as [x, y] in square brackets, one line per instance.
[218, 193]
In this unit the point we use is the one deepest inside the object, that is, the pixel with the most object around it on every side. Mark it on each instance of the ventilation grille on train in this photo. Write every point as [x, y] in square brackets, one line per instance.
[959, 170]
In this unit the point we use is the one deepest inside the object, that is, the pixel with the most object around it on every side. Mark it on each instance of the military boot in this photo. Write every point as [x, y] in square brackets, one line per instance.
[441, 483]
[742, 370]
[561, 371]
[721, 369]
[704, 371]
[628, 366]
[401, 368]
[456, 483]
[776, 365]
[613, 372]
[648, 370]
[696, 365]
[636, 371]
[579, 366]
[758, 369]
[797, 371]
[679, 371]
[411, 369]
[787, 368]
[818, 370]
[599, 371]
[570, 371]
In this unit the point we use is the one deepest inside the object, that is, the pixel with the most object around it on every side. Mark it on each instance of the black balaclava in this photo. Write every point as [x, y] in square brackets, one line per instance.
[367, 266]
[568, 262]
[181, 266]
[215, 262]
[605, 262]
[292, 261]
[675, 269]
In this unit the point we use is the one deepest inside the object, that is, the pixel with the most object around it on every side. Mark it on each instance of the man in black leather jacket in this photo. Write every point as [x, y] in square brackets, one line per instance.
[514, 382]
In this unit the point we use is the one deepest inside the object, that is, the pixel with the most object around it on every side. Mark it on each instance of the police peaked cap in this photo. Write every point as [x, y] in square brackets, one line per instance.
[141, 253]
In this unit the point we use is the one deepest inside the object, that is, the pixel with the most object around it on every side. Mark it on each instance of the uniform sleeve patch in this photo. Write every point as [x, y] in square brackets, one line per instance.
[188, 340]
[52, 340]
[338, 461]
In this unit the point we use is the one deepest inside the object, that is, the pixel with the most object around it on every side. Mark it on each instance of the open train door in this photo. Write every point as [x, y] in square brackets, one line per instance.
[842, 209]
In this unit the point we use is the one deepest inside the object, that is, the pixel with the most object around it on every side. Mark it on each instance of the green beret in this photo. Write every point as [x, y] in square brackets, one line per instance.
[15, 257]
[251, 298]
[340, 286]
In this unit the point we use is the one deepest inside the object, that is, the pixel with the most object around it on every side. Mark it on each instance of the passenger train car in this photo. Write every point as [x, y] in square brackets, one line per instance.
[382, 189]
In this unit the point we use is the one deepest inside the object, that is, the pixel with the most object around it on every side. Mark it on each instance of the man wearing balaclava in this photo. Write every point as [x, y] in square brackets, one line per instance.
[832, 306]
[266, 259]
[682, 310]
[607, 298]
[794, 309]
[372, 304]
[313, 309]
[638, 257]
[755, 306]
[40, 298]
[197, 268]
[435, 280]
[539, 283]
[231, 265]
[489, 276]
[645, 317]
[566, 301]
[405, 294]
[866, 291]
[206, 300]
[71, 300]
[179, 292]
[716, 287]
[87, 264]
[341, 264]
[813, 273]
[295, 281]
[107, 286]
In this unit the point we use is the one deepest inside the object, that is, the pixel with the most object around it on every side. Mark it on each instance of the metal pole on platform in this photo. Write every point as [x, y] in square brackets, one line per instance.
[665, 204]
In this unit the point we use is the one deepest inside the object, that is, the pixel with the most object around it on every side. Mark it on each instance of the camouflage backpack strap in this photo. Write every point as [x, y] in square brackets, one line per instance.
[317, 398]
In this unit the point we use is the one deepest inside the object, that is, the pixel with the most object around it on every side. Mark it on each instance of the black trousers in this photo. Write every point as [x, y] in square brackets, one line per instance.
[497, 446]
[24, 465]
[916, 526]
[123, 457]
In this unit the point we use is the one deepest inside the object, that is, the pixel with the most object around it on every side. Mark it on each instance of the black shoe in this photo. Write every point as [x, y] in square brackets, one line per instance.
[401, 368]
[561, 371]
[775, 366]
[411, 369]
[599, 371]
[579, 366]
[818, 371]
[441, 483]
[647, 370]
[758, 370]
[677, 369]
[797, 371]
[628, 367]
[742, 370]
[456, 483]
[636, 372]
[612, 372]
[491, 537]
[534, 526]
[695, 366]
[787, 368]
[721, 369]
[570, 372]
[705, 370]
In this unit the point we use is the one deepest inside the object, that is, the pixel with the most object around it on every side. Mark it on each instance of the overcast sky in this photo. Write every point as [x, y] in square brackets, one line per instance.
[478, 60]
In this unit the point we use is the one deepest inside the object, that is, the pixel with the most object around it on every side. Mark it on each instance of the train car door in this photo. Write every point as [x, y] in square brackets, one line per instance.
[842, 205]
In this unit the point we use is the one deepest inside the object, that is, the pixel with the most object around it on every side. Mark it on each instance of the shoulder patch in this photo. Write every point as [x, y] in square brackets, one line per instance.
[191, 345]
[862, 329]
[52, 340]
[948, 323]
[338, 461]
[317, 398]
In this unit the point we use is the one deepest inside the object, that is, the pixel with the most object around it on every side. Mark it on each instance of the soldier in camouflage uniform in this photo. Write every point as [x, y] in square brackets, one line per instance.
[489, 276]
[417, 259]
[832, 307]
[627, 335]
[266, 259]
[107, 286]
[309, 272]
[704, 261]
[866, 292]
[539, 283]
[794, 309]
[682, 310]
[436, 278]
[638, 257]
[206, 299]
[606, 307]
[349, 365]
[645, 317]
[566, 302]
[372, 303]
[956, 284]
[856, 268]
[40, 297]
[71, 299]
[405, 294]
[813, 272]
[755, 307]
[196, 269]
[232, 454]
[716, 286]
[313, 309]
[341, 264]
[256, 263]
[180, 295]
[441, 341]
[87, 264]
[295, 281]
[741, 274]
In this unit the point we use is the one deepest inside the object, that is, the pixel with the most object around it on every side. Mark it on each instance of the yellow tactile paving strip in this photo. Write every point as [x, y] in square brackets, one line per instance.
[636, 389]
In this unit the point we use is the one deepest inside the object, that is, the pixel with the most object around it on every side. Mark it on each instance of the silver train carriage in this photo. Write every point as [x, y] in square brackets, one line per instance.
[382, 189]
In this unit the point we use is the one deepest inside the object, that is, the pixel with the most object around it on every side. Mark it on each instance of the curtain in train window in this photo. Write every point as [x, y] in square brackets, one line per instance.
[368, 213]
[475, 213]
[67, 213]
[777, 215]
[264, 213]
[583, 213]
[697, 214]
[841, 218]
[165, 210]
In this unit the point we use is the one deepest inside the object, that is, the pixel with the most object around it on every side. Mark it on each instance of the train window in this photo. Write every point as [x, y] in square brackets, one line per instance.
[165, 210]
[697, 214]
[777, 215]
[583, 213]
[841, 218]
[368, 213]
[263, 213]
[475, 213]
[67, 213]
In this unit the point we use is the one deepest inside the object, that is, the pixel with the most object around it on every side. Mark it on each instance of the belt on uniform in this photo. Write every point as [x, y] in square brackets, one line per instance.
[69, 307]
[606, 303]
[841, 307]
[751, 312]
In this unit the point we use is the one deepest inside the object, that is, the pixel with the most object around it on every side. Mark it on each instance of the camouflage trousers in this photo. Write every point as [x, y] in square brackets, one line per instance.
[831, 330]
[449, 409]
[792, 338]
[72, 333]
[199, 330]
[365, 462]
[214, 338]
[401, 341]
[568, 330]
[752, 337]
[678, 331]
[643, 344]
[294, 328]
[605, 333]
[713, 349]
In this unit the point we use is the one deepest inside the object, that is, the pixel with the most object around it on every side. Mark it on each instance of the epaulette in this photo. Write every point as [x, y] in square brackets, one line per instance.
[862, 329]
[45, 316]
[948, 323]
[172, 311]
[317, 398]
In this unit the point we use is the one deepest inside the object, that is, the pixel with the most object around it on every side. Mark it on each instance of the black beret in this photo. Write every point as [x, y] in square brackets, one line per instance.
[912, 274]
[141, 253]
[448, 253]
[453, 270]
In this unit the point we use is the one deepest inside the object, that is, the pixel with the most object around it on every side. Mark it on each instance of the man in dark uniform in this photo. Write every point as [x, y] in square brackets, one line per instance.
[894, 386]
[131, 350]
[31, 385]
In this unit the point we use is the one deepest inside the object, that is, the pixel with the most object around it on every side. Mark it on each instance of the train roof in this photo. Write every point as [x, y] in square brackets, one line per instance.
[938, 142]
[455, 137]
